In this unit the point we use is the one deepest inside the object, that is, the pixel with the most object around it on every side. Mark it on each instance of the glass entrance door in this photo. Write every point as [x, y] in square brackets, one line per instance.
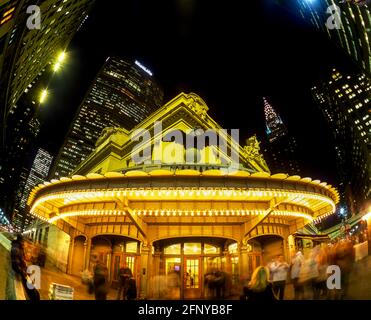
[116, 264]
[120, 260]
[192, 278]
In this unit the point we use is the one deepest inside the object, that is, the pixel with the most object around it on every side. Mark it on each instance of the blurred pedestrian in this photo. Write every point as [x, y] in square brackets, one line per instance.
[296, 265]
[130, 287]
[100, 281]
[19, 267]
[309, 274]
[344, 258]
[209, 283]
[87, 279]
[17, 256]
[279, 271]
[127, 285]
[173, 284]
[259, 287]
[320, 285]
[219, 284]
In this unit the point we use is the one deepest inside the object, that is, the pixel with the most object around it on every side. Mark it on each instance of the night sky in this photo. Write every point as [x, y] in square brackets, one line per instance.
[231, 53]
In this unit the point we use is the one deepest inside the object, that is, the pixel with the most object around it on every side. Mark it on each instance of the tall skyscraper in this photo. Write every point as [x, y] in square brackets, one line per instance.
[345, 101]
[38, 174]
[352, 31]
[279, 149]
[122, 95]
[22, 131]
[275, 128]
[28, 53]
[8, 9]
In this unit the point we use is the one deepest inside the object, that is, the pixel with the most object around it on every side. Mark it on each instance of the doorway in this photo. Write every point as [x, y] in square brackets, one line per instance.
[192, 277]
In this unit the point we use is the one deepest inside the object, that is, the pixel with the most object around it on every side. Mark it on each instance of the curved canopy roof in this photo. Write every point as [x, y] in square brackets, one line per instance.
[165, 192]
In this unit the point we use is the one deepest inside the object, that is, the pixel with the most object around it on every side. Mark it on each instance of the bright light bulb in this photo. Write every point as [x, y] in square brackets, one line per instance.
[43, 96]
[61, 57]
[56, 67]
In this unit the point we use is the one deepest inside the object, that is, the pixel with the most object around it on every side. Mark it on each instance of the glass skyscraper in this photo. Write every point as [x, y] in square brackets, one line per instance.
[353, 32]
[345, 101]
[38, 174]
[28, 56]
[122, 95]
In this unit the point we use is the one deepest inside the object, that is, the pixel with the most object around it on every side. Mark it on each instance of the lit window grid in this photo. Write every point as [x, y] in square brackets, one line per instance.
[31, 60]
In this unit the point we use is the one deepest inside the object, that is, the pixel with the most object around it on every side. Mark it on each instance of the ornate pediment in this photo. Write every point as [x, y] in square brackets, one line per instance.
[198, 105]
[109, 131]
[181, 132]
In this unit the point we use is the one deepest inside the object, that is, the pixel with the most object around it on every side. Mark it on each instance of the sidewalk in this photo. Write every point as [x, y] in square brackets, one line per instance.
[360, 281]
[359, 286]
[4, 264]
[50, 275]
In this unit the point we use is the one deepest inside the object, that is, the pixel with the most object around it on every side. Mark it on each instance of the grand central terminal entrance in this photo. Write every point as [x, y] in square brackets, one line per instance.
[195, 268]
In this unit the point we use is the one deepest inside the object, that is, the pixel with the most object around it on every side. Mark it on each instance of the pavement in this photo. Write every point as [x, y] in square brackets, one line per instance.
[359, 287]
[4, 267]
[52, 275]
[360, 281]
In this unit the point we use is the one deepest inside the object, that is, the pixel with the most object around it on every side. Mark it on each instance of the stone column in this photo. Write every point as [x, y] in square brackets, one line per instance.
[84, 256]
[109, 264]
[70, 255]
[244, 262]
[368, 220]
[227, 261]
[87, 252]
[155, 290]
[285, 247]
[145, 256]
[291, 247]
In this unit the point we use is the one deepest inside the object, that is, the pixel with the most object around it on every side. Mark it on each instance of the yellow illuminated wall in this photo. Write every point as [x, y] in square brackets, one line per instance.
[57, 249]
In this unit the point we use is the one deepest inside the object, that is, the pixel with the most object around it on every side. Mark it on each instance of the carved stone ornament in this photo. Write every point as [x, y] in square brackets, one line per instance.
[107, 132]
[198, 105]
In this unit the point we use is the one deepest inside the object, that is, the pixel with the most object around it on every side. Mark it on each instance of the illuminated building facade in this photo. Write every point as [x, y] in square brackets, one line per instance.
[27, 55]
[345, 101]
[354, 33]
[8, 10]
[122, 95]
[22, 130]
[171, 217]
[28, 52]
[38, 174]
[280, 148]
[17, 217]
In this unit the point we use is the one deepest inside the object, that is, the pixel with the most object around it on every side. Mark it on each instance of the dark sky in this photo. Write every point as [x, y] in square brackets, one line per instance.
[231, 53]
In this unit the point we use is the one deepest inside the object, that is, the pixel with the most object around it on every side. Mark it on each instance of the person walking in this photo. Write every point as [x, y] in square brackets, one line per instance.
[127, 285]
[19, 267]
[259, 287]
[100, 281]
[309, 274]
[130, 286]
[296, 265]
[344, 258]
[279, 270]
